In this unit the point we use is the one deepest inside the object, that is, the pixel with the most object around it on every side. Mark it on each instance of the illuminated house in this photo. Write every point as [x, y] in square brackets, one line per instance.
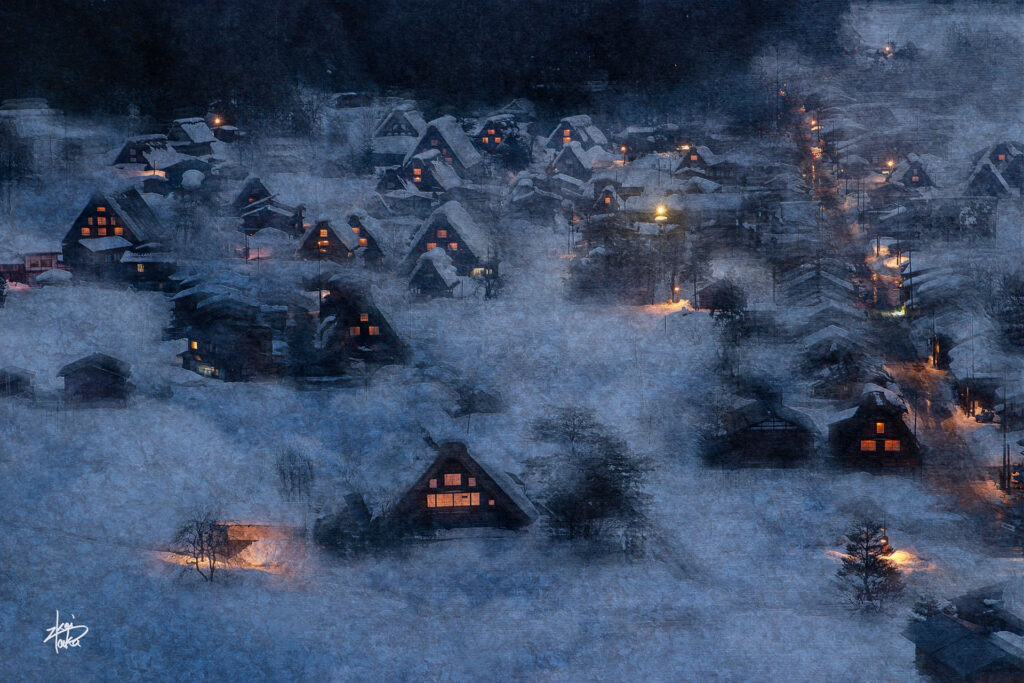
[395, 135]
[108, 226]
[910, 172]
[446, 135]
[998, 171]
[493, 131]
[253, 190]
[148, 267]
[576, 129]
[227, 340]
[608, 201]
[353, 321]
[873, 434]
[191, 136]
[370, 234]
[459, 491]
[428, 172]
[453, 229]
[97, 378]
[323, 241]
[576, 162]
[698, 158]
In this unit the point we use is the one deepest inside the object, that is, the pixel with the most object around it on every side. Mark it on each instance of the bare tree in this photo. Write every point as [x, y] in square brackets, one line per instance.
[295, 475]
[204, 540]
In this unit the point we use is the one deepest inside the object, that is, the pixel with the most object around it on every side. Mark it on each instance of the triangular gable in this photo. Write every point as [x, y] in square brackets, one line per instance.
[400, 122]
[126, 215]
[323, 239]
[446, 135]
[252, 191]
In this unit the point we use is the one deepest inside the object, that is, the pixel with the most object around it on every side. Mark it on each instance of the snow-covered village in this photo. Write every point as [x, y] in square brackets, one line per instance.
[579, 340]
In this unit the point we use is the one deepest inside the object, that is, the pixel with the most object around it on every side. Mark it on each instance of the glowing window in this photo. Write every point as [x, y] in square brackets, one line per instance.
[448, 160]
[491, 502]
[194, 345]
[566, 140]
[431, 245]
[140, 268]
[1002, 157]
[453, 479]
[417, 171]
[323, 233]
[90, 220]
[879, 428]
[101, 209]
[433, 483]
[607, 200]
[472, 481]
[374, 331]
[355, 229]
[566, 133]
[362, 242]
[463, 499]
[454, 246]
[86, 232]
[477, 272]
[444, 500]
[693, 157]
[322, 243]
[431, 500]
[364, 317]
[867, 445]
[914, 179]
[417, 179]
[442, 234]
[354, 331]
[101, 220]
[497, 141]
[892, 445]
[102, 232]
[490, 131]
[119, 231]
[486, 139]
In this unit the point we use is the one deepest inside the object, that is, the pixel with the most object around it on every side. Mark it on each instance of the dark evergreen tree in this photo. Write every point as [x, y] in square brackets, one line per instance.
[870, 577]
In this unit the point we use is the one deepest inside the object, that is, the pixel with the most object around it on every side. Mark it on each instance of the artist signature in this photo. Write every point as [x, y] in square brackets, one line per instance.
[69, 631]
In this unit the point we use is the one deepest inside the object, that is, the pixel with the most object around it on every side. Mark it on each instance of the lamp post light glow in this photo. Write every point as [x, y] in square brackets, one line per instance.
[216, 121]
[659, 213]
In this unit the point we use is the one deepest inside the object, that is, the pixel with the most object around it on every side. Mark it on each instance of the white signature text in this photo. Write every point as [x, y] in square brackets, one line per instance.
[65, 634]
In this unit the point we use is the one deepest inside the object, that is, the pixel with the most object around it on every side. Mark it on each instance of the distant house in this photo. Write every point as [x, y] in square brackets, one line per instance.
[637, 141]
[396, 135]
[697, 158]
[228, 340]
[874, 434]
[15, 381]
[370, 234]
[434, 274]
[459, 491]
[253, 190]
[762, 432]
[576, 129]
[446, 135]
[576, 162]
[998, 171]
[136, 148]
[428, 172]
[148, 267]
[97, 378]
[494, 130]
[608, 200]
[271, 213]
[108, 226]
[951, 649]
[191, 136]
[25, 266]
[910, 172]
[324, 241]
[355, 322]
[454, 230]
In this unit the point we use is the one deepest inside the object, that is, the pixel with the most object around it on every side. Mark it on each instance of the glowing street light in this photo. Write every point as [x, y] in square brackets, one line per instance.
[216, 120]
[660, 213]
[890, 163]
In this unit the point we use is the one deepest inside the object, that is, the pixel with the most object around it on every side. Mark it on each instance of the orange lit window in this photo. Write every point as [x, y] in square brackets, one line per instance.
[91, 219]
[355, 229]
[454, 246]
[86, 232]
[194, 345]
[490, 131]
[442, 234]
[914, 179]
[448, 160]
[566, 140]
[417, 179]
[453, 479]
[364, 317]
[491, 502]
[463, 499]
[362, 242]
[323, 250]
[431, 500]
[118, 230]
[374, 331]
[354, 331]
[101, 209]
[323, 233]
[431, 245]
[566, 133]
[693, 157]
[486, 139]
[101, 220]
[867, 445]
[472, 481]
[1002, 157]
[417, 171]
[892, 445]
[607, 200]
[140, 268]
[102, 232]
[433, 483]
[497, 140]
[879, 428]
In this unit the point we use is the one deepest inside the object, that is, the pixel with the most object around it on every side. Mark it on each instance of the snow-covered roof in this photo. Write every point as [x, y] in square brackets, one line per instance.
[95, 244]
[195, 129]
[475, 238]
[437, 260]
[99, 361]
[457, 141]
[392, 144]
[589, 133]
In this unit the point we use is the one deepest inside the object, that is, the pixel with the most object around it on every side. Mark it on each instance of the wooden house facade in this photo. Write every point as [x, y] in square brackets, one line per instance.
[253, 190]
[452, 228]
[322, 241]
[457, 491]
[874, 435]
[108, 226]
[355, 324]
[97, 378]
[763, 433]
[998, 171]
[493, 131]
[456, 149]
[428, 172]
[147, 267]
[369, 234]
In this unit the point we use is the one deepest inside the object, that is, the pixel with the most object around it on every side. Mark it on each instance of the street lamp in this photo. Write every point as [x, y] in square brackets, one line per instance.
[660, 213]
